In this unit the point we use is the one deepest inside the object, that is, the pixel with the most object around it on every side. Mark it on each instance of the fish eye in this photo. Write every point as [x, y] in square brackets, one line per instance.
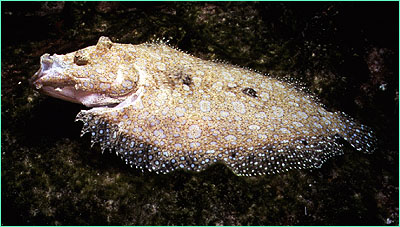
[80, 59]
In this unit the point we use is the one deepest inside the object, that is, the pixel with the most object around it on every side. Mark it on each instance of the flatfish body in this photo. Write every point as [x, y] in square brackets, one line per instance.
[161, 109]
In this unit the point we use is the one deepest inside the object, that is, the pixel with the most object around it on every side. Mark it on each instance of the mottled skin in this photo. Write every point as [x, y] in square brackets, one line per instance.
[162, 109]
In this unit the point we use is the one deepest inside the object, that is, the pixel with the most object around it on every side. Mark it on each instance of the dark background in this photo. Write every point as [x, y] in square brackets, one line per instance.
[346, 53]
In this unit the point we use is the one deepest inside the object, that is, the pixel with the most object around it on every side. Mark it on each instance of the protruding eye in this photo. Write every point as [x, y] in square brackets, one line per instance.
[80, 58]
[250, 92]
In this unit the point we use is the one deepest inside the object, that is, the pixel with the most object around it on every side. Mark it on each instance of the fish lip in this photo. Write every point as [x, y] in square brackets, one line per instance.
[33, 78]
[47, 62]
[86, 98]
[54, 92]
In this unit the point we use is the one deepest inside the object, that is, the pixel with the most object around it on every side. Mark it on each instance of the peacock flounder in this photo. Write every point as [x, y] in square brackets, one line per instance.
[162, 109]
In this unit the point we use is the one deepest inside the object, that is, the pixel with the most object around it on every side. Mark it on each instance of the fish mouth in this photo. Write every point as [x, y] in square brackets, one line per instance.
[45, 79]
[52, 79]
[50, 72]
[89, 99]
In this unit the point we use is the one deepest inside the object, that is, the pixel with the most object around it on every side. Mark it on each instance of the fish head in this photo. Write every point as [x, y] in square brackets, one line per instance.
[99, 75]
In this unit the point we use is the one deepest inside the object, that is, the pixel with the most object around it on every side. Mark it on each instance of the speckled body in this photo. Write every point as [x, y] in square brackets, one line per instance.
[161, 109]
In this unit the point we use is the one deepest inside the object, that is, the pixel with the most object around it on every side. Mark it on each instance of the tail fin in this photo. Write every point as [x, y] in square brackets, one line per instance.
[360, 136]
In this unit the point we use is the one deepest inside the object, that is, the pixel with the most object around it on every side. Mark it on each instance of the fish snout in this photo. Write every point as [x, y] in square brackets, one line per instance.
[49, 65]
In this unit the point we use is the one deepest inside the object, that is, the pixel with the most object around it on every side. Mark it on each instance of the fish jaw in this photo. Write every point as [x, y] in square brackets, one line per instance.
[53, 79]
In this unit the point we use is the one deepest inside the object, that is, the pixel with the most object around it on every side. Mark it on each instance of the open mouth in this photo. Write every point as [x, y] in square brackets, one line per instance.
[52, 80]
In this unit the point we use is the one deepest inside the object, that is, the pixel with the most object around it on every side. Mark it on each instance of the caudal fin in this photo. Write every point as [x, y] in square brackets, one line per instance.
[360, 136]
